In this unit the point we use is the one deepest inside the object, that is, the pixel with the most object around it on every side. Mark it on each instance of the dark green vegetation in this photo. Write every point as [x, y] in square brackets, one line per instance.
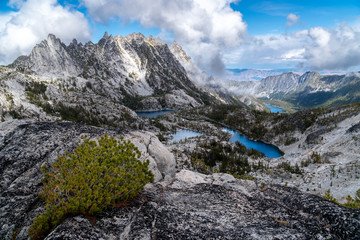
[229, 158]
[77, 113]
[350, 201]
[268, 126]
[36, 92]
[347, 91]
[315, 158]
[98, 175]
[80, 113]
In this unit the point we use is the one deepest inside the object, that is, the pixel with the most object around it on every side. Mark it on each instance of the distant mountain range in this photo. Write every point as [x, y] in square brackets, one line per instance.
[310, 89]
[253, 74]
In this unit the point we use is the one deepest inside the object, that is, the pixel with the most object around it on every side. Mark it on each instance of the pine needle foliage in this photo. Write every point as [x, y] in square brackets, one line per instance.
[96, 176]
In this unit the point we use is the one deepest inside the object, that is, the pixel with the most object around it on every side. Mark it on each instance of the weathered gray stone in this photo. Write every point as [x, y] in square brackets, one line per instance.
[162, 162]
[75, 228]
[26, 145]
[197, 206]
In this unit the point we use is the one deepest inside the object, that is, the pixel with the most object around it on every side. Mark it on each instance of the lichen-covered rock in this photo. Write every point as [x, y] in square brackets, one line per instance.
[218, 206]
[26, 145]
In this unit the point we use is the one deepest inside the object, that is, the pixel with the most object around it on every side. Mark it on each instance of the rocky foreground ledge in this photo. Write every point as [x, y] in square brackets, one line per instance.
[188, 205]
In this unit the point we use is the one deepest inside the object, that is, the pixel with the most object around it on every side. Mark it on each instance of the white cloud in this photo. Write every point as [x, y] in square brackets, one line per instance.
[20, 31]
[292, 19]
[15, 3]
[202, 27]
[320, 36]
[313, 49]
[337, 48]
[269, 50]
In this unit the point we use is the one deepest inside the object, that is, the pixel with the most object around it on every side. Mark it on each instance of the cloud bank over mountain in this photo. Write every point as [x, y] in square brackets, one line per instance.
[316, 49]
[32, 21]
[203, 28]
[213, 32]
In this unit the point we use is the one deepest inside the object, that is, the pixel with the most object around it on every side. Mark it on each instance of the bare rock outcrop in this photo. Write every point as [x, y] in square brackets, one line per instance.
[218, 206]
[25, 145]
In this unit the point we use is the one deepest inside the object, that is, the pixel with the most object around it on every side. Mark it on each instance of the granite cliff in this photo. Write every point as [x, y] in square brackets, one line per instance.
[137, 71]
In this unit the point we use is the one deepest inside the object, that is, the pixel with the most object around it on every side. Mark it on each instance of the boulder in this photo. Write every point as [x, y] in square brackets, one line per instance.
[25, 145]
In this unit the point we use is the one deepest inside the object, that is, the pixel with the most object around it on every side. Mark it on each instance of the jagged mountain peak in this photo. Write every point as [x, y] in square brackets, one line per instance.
[353, 74]
[106, 35]
[309, 78]
[310, 74]
[49, 57]
[50, 42]
[179, 52]
[52, 38]
[134, 67]
[139, 38]
[282, 76]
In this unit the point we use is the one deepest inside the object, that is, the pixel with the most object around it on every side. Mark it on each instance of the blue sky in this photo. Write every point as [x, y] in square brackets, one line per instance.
[270, 16]
[237, 34]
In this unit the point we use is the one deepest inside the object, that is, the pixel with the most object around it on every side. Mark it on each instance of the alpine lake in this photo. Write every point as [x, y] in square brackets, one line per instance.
[269, 150]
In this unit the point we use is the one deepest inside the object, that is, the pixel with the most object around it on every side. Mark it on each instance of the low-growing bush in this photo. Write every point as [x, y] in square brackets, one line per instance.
[350, 202]
[98, 175]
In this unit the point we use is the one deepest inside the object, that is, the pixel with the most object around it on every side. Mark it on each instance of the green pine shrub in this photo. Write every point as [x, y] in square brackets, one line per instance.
[350, 202]
[98, 175]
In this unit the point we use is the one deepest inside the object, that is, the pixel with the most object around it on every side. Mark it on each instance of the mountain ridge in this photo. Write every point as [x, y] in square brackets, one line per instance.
[139, 65]
[310, 89]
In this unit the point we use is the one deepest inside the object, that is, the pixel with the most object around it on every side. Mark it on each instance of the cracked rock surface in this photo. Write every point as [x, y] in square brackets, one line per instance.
[218, 206]
[25, 145]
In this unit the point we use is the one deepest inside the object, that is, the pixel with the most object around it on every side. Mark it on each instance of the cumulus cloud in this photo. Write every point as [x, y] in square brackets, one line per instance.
[337, 48]
[21, 30]
[292, 19]
[313, 49]
[270, 50]
[203, 27]
[15, 3]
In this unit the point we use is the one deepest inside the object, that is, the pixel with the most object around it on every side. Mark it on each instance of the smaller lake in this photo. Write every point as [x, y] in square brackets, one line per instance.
[153, 114]
[270, 151]
[182, 134]
[275, 109]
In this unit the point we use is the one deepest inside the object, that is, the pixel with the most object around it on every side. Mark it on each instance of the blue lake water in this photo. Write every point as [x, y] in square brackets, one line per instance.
[153, 114]
[275, 109]
[270, 151]
[182, 134]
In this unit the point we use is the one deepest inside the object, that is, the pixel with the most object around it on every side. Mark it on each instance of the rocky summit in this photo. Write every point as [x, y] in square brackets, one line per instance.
[187, 205]
[138, 71]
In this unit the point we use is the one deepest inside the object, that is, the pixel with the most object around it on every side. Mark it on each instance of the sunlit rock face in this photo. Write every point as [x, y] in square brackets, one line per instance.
[137, 70]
